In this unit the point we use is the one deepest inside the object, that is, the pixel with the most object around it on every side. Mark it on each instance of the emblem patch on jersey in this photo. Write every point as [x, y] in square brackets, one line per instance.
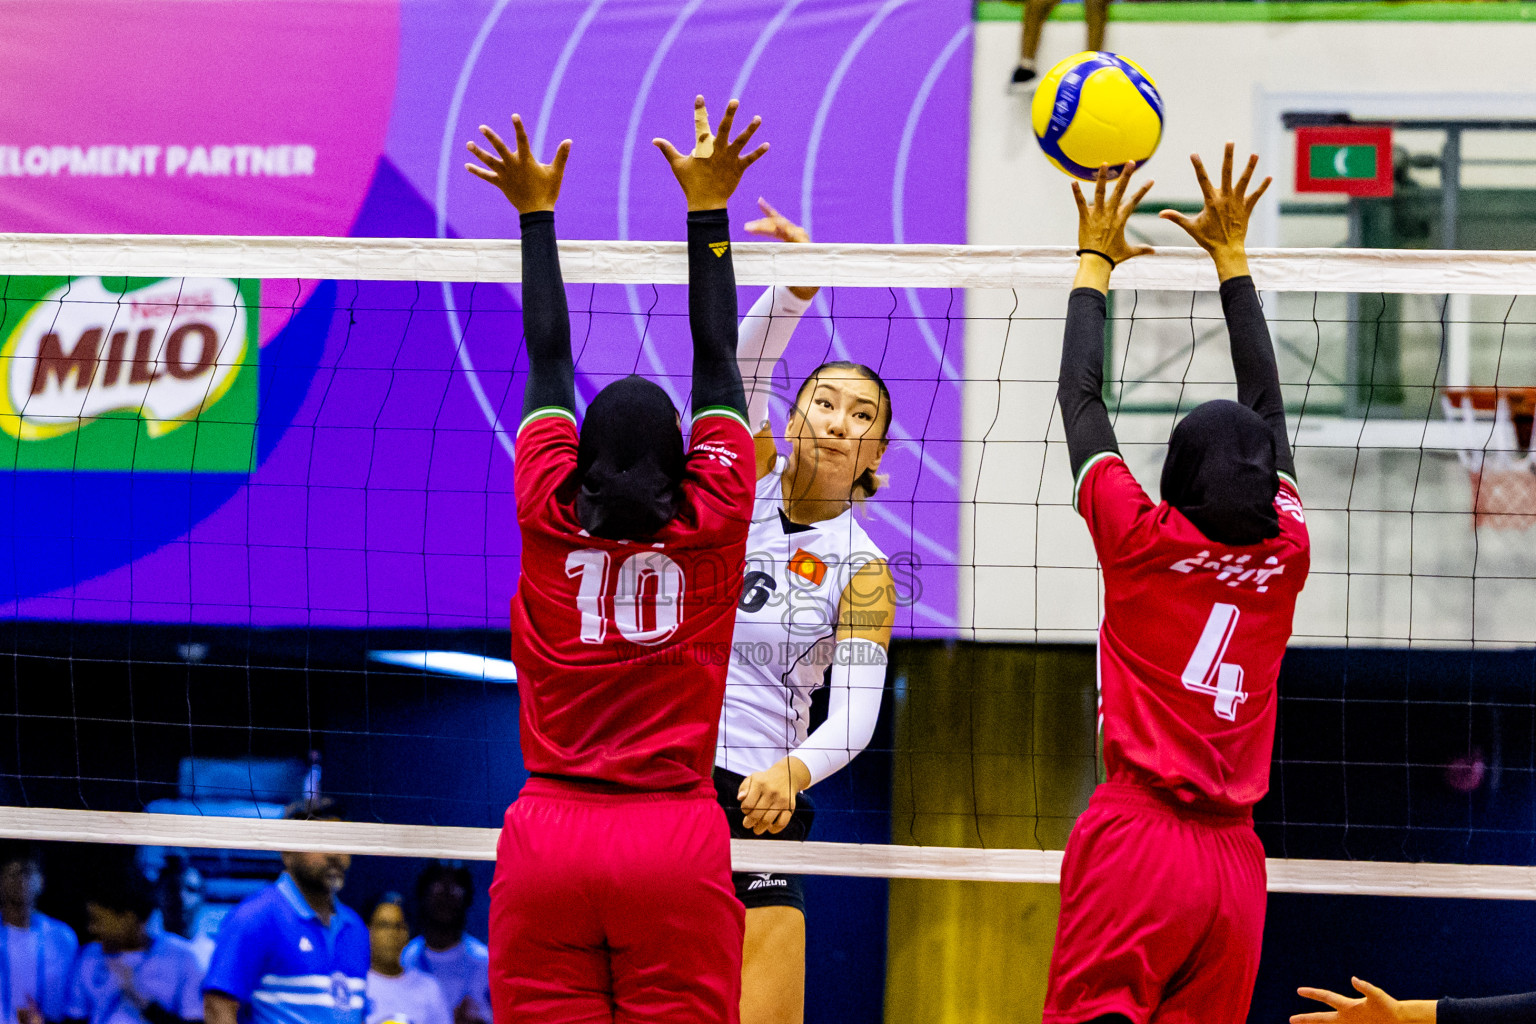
[807, 565]
[719, 248]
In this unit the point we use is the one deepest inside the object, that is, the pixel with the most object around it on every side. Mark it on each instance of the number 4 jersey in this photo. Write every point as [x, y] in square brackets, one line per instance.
[621, 647]
[1191, 642]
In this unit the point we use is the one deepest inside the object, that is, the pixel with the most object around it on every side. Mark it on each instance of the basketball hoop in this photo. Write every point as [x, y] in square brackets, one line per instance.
[1503, 471]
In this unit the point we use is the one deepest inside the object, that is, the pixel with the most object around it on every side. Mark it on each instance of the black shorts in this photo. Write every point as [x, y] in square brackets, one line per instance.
[769, 889]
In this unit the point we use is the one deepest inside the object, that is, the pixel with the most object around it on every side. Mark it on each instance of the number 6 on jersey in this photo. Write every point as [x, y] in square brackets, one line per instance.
[1205, 663]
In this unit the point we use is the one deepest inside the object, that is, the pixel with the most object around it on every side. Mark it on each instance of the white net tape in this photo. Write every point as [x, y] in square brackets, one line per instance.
[1404, 272]
[1363, 878]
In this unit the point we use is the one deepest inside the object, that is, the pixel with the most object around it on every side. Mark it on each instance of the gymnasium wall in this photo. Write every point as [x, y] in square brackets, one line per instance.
[1227, 80]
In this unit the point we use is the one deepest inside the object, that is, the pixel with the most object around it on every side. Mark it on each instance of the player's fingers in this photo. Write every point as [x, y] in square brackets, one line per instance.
[1366, 989]
[1258, 193]
[761, 811]
[745, 136]
[700, 119]
[495, 140]
[483, 155]
[1178, 218]
[1226, 170]
[750, 812]
[1322, 995]
[780, 822]
[767, 208]
[524, 147]
[1203, 179]
[754, 156]
[1242, 183]
[761, 226]
[1100, 183]
[1123, 182]
[481, 172]
[1082, 204]
[1320, 1017]
[667, 150]
[1136, 199]
[1143, 250]
[562, 154]
[726, 120]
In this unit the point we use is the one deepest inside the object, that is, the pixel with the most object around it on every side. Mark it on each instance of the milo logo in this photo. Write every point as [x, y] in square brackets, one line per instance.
[118, 374]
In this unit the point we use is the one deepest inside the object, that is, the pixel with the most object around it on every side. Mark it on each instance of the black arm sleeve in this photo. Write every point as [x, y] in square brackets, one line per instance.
[546, 320]
[712, 313]
[1253, 360]
[1080, 391]
[1519, 1009]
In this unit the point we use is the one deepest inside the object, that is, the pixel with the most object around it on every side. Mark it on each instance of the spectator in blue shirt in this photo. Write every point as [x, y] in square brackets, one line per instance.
[292, 953]
[460, 962]
[179, 891]
[37, 953]
[128, 976]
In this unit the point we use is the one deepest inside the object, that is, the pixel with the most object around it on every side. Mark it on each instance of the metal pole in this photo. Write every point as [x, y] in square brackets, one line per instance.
[1458, 308]
[1355, 361]
[1450, 186]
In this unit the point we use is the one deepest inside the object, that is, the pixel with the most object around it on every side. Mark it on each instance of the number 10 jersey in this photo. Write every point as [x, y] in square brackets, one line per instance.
[621, 647]
[1191, 641]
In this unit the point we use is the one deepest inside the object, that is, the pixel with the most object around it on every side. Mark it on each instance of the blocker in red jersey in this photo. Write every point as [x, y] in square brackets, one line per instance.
[1163, 883]
[612, 899]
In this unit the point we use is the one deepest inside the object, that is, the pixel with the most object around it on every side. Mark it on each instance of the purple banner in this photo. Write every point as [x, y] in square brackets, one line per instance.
[354, 468]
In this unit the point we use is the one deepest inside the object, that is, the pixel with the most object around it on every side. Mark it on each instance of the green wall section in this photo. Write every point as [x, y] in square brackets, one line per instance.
[1315, 10]
[994, 748]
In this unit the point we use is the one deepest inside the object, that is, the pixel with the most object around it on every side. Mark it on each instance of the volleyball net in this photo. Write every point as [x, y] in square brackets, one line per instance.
[263, 538]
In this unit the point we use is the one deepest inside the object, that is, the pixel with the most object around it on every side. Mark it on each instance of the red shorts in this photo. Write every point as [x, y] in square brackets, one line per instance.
[614, 907]
[1162, 913]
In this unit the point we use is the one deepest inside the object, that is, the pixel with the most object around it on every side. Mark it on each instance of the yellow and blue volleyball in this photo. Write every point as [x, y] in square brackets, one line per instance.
[1097, 108]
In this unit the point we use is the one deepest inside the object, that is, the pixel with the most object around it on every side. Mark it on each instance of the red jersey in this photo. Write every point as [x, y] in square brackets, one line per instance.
[622, 647]
[1191, 642]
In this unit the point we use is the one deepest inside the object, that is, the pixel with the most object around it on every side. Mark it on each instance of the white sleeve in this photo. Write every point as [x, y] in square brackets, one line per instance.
[853, 706]
[761, 339]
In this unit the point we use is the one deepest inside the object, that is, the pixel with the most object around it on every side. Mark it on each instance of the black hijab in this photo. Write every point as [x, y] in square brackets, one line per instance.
[1220, 472]
[629, 461]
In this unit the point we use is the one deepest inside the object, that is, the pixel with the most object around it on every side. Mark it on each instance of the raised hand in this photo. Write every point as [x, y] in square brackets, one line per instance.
[710, 174]
[774, 224]
[1101, 228]
[1221, 227]
[1375, 1008]
[527, 184]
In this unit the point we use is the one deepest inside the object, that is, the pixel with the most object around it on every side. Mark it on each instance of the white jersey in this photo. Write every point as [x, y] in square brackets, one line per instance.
[786, 624]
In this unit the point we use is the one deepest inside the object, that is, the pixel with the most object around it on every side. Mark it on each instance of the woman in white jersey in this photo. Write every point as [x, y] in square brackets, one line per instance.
[816, 609]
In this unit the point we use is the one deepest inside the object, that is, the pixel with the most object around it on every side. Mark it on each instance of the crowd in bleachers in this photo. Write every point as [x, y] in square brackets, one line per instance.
[290, 952]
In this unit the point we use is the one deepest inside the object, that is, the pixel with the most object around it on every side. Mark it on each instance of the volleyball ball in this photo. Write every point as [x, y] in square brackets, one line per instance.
[1097, 108]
